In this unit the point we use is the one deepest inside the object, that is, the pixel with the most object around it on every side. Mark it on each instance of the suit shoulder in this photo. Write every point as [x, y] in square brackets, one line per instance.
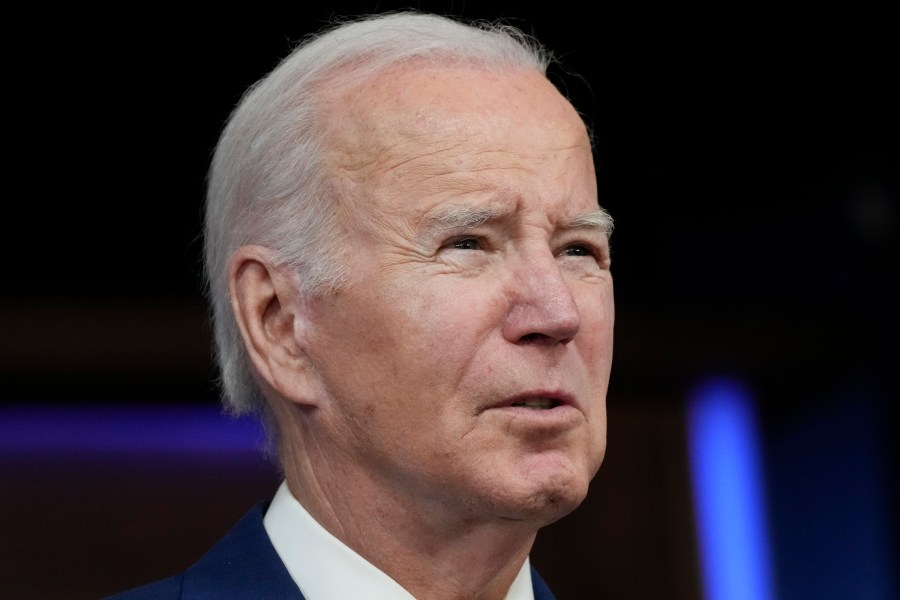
[164, 589]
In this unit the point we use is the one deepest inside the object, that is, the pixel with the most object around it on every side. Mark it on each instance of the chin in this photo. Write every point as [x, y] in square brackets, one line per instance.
[556, 504]
[547, 492]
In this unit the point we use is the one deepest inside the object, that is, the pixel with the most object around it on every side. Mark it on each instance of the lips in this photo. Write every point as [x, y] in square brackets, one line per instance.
[537, 403]
[538, 400]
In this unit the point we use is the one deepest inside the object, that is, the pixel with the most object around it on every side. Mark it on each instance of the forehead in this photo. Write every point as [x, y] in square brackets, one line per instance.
[416, 136]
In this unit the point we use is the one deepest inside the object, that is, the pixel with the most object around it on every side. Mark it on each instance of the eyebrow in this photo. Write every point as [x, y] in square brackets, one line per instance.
[461, 216]
[596, 219]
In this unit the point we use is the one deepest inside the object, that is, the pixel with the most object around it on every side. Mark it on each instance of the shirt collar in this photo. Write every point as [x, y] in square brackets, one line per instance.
[324, 568]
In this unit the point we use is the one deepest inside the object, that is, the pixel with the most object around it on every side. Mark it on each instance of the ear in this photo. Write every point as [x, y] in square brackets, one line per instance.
[270, 313]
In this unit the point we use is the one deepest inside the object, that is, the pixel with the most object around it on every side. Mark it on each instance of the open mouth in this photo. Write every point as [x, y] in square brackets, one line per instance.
[537, 403]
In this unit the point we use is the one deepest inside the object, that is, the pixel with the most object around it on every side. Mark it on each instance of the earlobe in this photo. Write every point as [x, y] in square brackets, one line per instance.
[269, 312]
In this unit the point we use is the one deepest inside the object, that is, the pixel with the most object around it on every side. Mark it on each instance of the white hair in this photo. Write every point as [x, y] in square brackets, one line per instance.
[267, 183]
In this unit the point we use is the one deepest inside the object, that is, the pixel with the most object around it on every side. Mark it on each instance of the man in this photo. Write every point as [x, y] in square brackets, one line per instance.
[410, 280]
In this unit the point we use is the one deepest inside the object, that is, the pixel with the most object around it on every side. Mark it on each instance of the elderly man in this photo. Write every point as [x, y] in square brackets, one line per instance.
[410, 279]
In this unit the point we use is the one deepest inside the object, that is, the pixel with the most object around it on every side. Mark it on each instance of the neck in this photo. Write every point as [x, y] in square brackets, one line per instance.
[429, 548]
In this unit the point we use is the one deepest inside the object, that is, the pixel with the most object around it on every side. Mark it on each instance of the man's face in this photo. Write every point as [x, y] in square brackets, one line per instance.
[465, 364]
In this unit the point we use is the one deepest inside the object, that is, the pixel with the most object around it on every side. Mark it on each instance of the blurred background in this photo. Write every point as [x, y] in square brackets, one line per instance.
[750, 159]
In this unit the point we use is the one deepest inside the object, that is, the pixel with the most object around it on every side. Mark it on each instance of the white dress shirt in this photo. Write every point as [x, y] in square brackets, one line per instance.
[324, 568]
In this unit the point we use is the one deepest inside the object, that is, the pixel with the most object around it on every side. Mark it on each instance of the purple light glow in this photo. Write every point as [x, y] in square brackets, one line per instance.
[121, 429]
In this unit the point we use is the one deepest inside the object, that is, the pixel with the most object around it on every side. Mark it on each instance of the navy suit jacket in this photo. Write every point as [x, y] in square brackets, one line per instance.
[243, 566]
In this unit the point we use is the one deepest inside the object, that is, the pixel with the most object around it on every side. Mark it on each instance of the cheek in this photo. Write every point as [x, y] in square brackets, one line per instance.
[447, 322]
[597, 310]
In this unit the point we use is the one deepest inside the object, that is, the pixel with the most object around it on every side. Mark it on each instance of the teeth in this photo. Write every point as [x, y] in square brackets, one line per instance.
[539, 403]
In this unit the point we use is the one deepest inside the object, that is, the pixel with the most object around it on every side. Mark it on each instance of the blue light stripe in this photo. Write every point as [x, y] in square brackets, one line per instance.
[729, 492]
[125, 429]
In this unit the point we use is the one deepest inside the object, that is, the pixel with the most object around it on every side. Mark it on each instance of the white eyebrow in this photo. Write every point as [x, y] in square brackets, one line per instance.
[597, 219]
[461, 216]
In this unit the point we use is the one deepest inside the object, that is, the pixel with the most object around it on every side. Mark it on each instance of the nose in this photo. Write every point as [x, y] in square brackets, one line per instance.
[542, 307]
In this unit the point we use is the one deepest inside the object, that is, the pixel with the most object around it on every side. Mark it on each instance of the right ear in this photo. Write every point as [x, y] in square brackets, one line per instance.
[271, 314]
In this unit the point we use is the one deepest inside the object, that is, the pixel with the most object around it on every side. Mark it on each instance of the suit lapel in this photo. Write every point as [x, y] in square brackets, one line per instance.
[242, 566]
[539, 587]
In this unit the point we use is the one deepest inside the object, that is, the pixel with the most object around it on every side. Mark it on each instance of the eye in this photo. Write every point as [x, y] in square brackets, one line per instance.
[577, 250]
[468, 243]
[599, 255]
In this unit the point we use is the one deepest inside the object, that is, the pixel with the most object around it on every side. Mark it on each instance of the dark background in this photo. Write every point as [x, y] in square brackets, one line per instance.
[749, 156]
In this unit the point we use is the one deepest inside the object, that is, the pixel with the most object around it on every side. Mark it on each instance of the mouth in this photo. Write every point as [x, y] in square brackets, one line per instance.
[537, 411]
[539, 400]
[540, 403]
